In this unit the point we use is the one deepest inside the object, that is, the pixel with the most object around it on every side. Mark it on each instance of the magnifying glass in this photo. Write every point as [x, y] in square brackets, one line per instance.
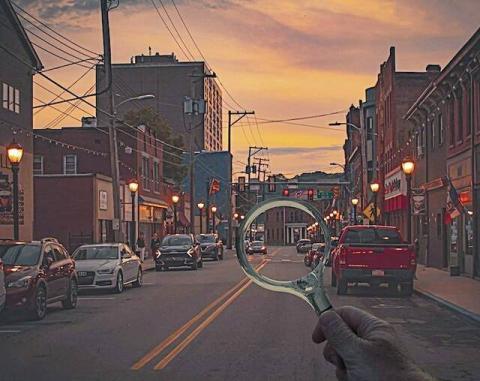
[309, 287]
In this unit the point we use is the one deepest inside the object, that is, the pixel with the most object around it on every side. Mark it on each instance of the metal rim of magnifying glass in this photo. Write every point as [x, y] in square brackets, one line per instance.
[309, 287]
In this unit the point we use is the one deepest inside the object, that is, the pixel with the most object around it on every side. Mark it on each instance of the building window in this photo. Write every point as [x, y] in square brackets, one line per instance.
[451, 122]
[468, 118]
[10, 98]
[441, 130]
[38, 165]
[70, 164]
[145, 172]
[459, 111]
[156, 176]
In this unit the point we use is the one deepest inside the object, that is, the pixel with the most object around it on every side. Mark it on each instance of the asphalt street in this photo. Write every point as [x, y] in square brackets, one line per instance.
[213, 324]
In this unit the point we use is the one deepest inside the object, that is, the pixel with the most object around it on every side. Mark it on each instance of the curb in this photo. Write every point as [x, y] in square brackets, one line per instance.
[445, 303]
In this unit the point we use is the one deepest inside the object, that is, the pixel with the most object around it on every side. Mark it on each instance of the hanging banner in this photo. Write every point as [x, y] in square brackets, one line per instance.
[418, 202]
[6, 202]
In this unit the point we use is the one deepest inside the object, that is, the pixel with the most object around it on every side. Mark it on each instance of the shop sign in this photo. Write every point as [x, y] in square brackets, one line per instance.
[103, 200]
[418, 202]
[395, 185]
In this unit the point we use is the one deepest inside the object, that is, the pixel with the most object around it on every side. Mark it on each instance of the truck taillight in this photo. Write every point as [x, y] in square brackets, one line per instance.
[1, 265]
[413, 261]
[342, 258]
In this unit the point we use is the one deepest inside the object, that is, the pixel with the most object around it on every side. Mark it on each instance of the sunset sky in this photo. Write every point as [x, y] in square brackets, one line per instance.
[282, 58]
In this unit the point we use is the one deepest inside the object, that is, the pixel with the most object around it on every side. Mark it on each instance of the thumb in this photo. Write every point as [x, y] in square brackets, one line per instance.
[334, 329]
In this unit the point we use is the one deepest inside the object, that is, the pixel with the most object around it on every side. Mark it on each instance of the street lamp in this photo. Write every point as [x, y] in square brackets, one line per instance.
[374, 187]
[200, 206]
[242, 217]
[175, 199]
[235, 215]
[408, 166]
[15, 154]
[214, 211]
[355, 203]
[133, 187]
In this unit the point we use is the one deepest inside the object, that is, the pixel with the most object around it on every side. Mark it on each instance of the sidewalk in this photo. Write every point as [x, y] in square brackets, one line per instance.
[459, 293]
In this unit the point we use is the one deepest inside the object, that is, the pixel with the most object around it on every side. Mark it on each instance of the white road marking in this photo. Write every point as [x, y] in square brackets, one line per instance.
[9, 331]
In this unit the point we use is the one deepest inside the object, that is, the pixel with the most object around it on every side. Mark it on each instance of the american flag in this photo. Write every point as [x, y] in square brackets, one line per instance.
[454, 206]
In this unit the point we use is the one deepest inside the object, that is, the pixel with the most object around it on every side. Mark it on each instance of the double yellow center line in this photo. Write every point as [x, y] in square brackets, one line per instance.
[227, 299]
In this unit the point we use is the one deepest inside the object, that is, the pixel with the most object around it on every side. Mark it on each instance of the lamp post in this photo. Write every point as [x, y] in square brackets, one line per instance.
[408, 166]
[15, 154]
[200, 206]
[133, 187]
[355, 203]
[214, 211]
[175, 199]
[374, 187]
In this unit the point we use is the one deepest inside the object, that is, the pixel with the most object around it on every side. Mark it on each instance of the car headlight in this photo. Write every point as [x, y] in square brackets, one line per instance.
[20, 283]
[106, 271]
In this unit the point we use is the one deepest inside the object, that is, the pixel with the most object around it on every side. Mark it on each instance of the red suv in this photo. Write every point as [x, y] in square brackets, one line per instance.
[36, 274]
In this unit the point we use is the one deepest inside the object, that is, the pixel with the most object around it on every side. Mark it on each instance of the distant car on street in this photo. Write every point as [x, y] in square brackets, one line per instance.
[257, 247]
[107, 266]
[178, 250]
[373, 254]
[210, 246]
[38, 273]
[327, 260]
[303, 245]
[309, 256]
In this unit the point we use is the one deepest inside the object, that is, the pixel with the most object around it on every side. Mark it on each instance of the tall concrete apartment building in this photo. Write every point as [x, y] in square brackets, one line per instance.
[171, 81]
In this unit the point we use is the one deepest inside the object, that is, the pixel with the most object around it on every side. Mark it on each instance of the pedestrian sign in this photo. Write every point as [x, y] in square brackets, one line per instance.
[369, 212]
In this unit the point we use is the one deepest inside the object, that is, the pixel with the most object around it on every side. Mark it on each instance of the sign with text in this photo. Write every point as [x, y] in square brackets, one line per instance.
[418, 202]
[395, 184]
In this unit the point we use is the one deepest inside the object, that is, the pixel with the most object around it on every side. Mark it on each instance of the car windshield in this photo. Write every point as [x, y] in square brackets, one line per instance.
[177, 240]
[206, 238]
[96, 252]
[373, 236]
[257, 243]
[20, 255]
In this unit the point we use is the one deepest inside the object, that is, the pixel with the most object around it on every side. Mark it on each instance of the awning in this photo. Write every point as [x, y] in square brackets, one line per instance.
[395, 203]
[150, 201]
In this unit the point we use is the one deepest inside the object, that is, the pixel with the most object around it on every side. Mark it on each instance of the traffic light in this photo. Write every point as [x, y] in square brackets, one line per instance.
[310, 194]
[285, 192]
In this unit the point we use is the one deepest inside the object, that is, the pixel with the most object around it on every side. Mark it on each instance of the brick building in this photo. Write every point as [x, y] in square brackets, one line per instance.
[18, 62]
[447, 120]
[171, 81]
[85, 150]
[395, 91]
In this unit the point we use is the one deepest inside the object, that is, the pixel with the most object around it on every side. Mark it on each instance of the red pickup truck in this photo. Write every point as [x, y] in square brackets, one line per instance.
[373, 254]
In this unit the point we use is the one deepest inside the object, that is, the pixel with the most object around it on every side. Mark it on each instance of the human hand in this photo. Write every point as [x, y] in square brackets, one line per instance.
[363, 347]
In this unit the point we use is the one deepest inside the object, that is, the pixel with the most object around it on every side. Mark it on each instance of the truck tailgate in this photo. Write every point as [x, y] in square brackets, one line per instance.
[378, 257]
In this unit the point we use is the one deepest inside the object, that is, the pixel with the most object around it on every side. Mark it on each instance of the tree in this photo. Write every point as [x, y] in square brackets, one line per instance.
[172, 157]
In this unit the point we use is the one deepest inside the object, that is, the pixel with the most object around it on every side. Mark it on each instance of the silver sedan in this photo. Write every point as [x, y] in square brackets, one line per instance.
[107, 266]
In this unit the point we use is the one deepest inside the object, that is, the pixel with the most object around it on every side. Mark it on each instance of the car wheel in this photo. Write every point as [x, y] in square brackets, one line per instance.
[139, 281]
[119, 285]
[393, 287]
[39, 309]
[306, 262]
[407, 288]
[333, 280]
[72, 296]
[342, 287]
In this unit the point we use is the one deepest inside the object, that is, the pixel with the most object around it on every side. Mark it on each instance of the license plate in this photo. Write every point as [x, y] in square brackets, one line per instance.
[82, 273]
[378, 273]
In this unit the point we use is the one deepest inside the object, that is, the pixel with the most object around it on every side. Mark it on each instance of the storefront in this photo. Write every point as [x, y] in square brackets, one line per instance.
[460, 232]
[151, 218]
[395, 200]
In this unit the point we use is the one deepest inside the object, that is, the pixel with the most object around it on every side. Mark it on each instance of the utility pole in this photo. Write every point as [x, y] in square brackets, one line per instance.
[262, 163]
[240, 115]
[105, 6]
[252, 151]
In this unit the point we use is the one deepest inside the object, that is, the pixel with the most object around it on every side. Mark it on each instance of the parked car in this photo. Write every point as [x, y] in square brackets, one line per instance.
[178, 250]
[327, 260]
[210, 246]
[373, 254]
[303, 245]
[107, 266]
[3, 292]
[308, 259]
[257, 247]
[36, 274]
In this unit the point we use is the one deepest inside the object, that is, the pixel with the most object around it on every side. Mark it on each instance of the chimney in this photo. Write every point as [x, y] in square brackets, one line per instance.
[431, 68]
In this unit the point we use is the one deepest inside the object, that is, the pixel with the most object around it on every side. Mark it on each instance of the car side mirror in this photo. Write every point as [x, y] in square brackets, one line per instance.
[47, 262]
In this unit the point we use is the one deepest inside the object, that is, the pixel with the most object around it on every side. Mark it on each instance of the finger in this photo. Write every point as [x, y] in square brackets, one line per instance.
[332, 327]
[361, 322]
[332, 356]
